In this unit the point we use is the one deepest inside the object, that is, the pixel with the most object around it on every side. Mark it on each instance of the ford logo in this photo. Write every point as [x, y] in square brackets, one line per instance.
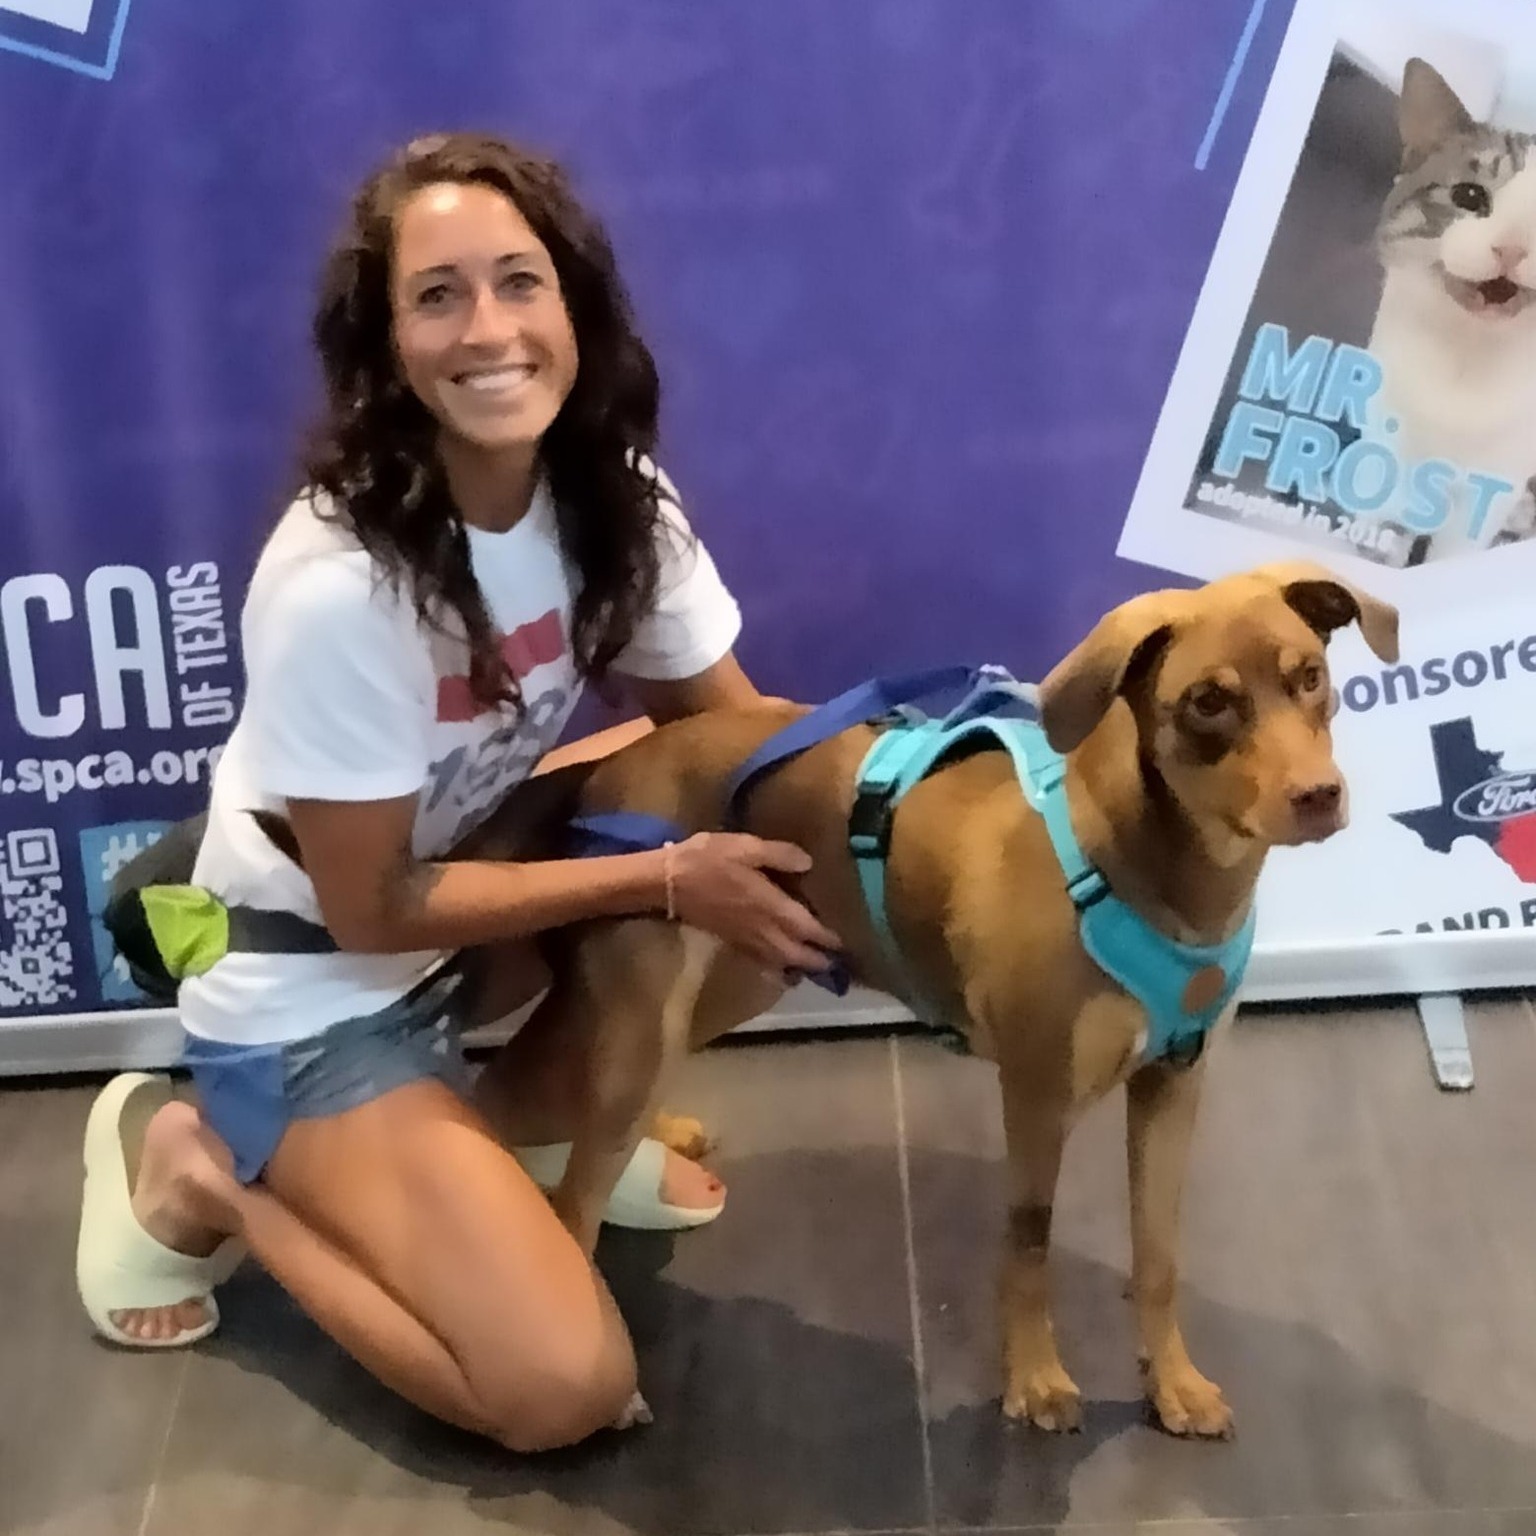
[1500, 798]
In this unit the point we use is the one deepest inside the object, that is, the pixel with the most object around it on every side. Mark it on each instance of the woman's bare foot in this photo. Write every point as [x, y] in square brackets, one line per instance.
[185, 1196]
[685, 1183]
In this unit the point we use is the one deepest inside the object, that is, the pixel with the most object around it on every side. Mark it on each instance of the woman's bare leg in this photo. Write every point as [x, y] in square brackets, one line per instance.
[407, 1232]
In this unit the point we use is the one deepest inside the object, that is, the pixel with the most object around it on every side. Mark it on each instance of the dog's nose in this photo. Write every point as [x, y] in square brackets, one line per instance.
[1319, 800]
[1510, 256]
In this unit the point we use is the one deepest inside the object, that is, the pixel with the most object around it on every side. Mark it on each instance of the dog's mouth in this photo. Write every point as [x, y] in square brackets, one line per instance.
[1315, 826]
[1293, 826]
[1500, 297]
[1318, 830]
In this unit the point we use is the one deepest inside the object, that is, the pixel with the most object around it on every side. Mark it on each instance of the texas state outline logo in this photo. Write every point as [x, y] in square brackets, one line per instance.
[80, 35]
[1479, 798]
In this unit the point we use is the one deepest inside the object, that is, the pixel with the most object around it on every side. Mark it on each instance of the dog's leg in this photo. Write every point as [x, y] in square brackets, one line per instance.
[645, 1025]
[1037, 1386]
[1161, 1103]
[683, 1134]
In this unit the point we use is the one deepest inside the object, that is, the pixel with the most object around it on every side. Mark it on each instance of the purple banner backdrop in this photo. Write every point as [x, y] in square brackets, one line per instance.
[916, 272]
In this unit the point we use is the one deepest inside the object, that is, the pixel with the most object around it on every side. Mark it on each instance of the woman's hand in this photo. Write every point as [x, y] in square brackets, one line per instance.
[719, 883]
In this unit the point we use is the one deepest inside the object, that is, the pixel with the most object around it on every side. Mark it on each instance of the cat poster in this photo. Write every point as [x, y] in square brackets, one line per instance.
[1358, 387]
[1359, 381]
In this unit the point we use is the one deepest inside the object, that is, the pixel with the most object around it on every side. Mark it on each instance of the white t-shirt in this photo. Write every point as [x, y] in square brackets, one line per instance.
[348, 697]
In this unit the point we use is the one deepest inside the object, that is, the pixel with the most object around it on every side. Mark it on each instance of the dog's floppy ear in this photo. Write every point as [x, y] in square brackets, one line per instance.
[1328, 603]
[1079, 689]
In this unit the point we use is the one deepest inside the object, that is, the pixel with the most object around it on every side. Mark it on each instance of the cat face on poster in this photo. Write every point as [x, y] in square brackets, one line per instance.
[1456, 329]
[1459, 225]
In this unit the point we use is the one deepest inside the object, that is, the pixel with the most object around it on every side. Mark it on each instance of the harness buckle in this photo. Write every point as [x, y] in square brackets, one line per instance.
[870, 823]
[1186, 1053]
[1087, 888]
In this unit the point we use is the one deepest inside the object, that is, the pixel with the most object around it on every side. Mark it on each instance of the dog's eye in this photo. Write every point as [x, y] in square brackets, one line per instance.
[1471, 197]
[1212, 701]
[1310, 678]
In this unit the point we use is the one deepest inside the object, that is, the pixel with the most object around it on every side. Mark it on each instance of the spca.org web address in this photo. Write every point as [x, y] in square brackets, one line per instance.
[55, 777]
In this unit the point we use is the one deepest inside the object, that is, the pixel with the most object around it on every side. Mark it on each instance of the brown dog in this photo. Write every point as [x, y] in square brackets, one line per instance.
[1196, 726]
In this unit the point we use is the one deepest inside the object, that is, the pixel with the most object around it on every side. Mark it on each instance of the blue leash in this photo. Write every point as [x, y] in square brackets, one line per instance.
[869, 701]
[635, 832]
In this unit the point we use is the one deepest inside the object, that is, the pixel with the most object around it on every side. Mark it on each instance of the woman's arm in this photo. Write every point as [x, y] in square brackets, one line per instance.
[722, 686]
[375, 897]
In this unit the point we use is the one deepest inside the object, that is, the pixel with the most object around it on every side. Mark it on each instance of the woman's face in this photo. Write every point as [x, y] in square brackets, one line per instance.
[481, 328]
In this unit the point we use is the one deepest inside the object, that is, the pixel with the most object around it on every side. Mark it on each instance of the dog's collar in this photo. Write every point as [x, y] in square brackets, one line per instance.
[1183, 987]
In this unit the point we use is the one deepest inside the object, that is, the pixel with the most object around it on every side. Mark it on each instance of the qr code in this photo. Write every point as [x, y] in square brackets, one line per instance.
[121, 847]
[104, 852]
[37, 967]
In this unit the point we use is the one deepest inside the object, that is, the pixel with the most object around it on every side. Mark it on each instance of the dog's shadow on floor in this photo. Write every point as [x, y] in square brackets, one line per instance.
[768, 1422]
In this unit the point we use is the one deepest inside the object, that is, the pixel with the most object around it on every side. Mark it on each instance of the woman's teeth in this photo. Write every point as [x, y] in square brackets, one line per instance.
[496, 378]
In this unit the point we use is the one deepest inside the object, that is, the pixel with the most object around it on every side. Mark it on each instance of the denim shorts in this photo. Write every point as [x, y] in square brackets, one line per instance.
[250, 1093]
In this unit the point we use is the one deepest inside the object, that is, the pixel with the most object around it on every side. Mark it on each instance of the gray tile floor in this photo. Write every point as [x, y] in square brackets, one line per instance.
[1359, 1258]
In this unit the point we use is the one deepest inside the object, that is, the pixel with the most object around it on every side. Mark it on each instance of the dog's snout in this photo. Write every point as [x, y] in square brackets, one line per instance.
[1318, 799]
[1316, 808]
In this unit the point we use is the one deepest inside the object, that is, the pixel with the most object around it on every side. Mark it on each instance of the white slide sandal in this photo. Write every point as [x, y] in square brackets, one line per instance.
[118, 1265]
[636, 1200]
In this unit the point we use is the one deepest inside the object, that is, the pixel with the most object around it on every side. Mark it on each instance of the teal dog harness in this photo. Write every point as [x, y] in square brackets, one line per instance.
[1183, 987]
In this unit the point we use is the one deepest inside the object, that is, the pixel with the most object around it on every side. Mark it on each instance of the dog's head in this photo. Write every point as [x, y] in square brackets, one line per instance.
[1229, 689]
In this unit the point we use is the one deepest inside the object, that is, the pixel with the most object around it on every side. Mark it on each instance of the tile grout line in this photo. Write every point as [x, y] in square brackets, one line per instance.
[165, 1445]
[1200, 1522]
[919, 1355]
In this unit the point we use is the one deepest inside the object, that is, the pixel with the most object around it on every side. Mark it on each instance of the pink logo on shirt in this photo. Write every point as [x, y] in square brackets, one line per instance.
[530, 645]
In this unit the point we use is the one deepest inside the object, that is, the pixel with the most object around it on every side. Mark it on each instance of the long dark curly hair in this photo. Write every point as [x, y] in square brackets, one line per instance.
[374, 449]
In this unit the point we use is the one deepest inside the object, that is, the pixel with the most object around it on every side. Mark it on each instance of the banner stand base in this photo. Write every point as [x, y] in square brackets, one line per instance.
[1445, 1031]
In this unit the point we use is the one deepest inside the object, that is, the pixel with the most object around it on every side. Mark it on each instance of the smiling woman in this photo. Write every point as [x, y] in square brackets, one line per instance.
[482, 531]
[464, 261]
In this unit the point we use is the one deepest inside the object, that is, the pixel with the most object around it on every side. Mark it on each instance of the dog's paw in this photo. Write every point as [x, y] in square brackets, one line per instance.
[1187, 1404]
[636, 1411]
[684, 1135]
[1047, 1398]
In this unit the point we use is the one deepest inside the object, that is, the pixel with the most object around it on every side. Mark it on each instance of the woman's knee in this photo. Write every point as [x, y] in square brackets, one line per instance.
[574, 1389]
